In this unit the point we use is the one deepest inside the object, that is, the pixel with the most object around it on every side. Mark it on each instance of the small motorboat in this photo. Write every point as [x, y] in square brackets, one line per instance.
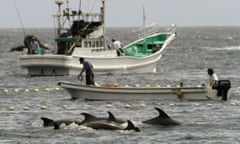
[115, 92]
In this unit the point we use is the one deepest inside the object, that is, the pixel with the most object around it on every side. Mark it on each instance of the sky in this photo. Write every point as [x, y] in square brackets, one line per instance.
[125, 13]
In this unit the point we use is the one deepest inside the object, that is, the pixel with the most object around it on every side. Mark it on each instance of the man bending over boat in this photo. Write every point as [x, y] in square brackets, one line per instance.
[213, 78]
[89, 73]
[116, 44]
[34, 45]
[222, 86]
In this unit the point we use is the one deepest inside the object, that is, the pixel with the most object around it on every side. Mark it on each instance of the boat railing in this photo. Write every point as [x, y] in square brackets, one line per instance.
[172, 28]
[148, 30]
[154, 28]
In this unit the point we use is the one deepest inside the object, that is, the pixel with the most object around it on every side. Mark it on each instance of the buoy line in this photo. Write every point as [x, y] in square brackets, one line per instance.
[109, 106]
[28, 90]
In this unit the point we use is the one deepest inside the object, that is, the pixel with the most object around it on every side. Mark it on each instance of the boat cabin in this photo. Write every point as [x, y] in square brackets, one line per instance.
[87, 30]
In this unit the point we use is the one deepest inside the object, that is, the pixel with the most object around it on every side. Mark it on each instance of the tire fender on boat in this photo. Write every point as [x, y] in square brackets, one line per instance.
[179, 94]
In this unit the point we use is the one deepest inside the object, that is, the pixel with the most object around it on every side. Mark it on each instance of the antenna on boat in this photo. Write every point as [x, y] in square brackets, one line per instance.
[80, 6]
[67, 1]
[144, 24]
[20, 18]
[103, 21]
[59, 3]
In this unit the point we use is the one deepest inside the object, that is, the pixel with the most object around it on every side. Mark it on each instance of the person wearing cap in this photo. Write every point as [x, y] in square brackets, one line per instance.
[116, 44]
[89, 73]
[213, 78]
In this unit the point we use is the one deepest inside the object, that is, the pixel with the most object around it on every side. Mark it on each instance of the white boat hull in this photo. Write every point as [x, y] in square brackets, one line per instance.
[78, 91]
[69, 65]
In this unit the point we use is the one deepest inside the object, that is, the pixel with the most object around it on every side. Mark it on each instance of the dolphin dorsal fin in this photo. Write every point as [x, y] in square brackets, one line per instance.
[131, 126]
[88, 116]
[111, 117]
[162, 114]
[47, 122]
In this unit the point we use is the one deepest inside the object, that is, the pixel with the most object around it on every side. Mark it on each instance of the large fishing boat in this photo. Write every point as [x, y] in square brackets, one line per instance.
[86, 38]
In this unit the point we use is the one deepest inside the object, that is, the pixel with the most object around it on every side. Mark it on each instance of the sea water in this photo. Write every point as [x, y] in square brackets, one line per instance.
[24, 99]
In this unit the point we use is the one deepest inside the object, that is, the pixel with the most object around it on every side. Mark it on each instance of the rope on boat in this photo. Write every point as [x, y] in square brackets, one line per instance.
[19, 16]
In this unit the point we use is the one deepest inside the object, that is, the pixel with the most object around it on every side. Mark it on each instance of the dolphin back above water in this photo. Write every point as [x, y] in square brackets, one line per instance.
[56, 124]
[111, 118]
[47, 122]
[162, 119]
[106, 125]
[109, 123]
[88, 118]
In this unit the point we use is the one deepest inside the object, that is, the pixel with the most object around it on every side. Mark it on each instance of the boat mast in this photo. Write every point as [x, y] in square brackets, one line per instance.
[59, 3]
[20, 18]
[144, 26]
[103, 21]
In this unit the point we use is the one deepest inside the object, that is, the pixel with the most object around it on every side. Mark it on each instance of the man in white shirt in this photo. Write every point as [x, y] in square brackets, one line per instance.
[213, 78]
[116, 44]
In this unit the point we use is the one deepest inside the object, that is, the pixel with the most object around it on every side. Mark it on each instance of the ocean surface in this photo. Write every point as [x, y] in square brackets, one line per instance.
[24, 99]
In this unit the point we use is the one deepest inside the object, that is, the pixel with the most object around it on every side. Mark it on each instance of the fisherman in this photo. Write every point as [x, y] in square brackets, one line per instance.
[89, 73]
[116, 44]
[32, 42]
[34, 46]
[213, 78]
[222, 86]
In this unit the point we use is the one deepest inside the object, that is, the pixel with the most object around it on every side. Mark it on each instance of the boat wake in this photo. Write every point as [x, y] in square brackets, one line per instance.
[227, 48]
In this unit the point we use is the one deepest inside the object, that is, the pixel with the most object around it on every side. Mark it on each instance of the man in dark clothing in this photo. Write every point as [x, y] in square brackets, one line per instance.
[89, 73]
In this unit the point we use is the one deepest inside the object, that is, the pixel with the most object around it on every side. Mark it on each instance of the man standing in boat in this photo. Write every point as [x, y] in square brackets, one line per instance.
[116, 44]
[89, 73]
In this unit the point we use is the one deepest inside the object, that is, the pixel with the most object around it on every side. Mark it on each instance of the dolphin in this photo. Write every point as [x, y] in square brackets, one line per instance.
[47, 122]
[111, 118]
[56, 124]
[87, 118]
[163, 119]
[106, 125]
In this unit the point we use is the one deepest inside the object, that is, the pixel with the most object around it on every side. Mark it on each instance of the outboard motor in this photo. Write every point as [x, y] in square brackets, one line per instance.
[222, 88]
